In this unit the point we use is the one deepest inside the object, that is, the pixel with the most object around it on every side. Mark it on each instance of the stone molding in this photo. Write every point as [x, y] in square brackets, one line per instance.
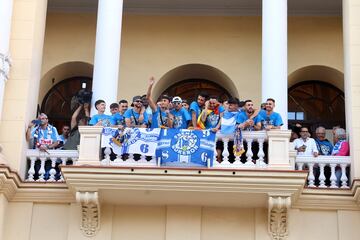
[278, 217]
[90, 212]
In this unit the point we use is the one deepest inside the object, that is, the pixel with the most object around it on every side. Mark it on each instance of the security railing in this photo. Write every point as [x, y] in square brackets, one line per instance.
[326, 171]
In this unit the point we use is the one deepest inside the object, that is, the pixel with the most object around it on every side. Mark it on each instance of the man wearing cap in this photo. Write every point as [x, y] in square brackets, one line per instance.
[136, 116]
[101, 119]
[181, 117]
[161, 116]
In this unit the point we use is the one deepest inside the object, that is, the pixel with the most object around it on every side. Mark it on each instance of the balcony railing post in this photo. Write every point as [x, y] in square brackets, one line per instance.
[90, 140]
[279, 150]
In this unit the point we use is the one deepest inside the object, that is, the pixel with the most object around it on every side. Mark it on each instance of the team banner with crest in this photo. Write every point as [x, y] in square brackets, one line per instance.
[173, 147]
[183, 147]
[131, 140]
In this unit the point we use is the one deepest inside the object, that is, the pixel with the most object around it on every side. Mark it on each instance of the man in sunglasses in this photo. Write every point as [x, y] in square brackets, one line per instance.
[181, 117]
[161, 117]
[271, 119]
[136, 116]
[305, 145]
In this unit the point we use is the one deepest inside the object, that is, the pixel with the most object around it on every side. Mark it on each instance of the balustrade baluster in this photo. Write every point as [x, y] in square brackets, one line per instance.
[52, 170]
[63, 163]
[343, 178]
[106, 161]
[333, 176]
[42, 169]
[322, 176]
[31, 171]
[260, 162]
[311, 177]
[249, 152]
[225, 153]
[300, 166]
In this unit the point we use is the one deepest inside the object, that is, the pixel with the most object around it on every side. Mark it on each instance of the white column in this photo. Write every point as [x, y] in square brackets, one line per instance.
[274, 55]
[6, 9]
[351, 31]
[107, 52]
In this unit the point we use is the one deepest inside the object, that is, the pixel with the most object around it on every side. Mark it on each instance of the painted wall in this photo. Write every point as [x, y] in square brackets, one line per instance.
[61, 221]
[154, 45]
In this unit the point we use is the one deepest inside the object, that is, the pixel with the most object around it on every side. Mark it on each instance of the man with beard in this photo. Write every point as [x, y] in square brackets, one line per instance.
[136, 116]
[212, 114]
[44, 135]
[181, 117]
[246, 119]
[271, 119]
[196, 108]
[161, 116]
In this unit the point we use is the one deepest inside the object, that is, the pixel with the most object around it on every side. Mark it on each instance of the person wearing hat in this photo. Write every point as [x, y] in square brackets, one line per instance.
[161, 117]
[101, 119]
[181, 117]
[136, 116]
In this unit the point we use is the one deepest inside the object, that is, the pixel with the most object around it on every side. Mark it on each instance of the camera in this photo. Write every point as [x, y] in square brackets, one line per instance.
[36, 121]
[84, 96]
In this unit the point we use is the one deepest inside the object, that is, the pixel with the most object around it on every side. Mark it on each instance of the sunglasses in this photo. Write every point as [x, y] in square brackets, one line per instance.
[138, 101]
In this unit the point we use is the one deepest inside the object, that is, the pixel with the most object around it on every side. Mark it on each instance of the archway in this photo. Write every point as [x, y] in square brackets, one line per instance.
[188, 80]
[316, 97]
[57, 88]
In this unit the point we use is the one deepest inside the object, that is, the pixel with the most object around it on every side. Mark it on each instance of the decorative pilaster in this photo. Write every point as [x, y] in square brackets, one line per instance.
[90, 212]
[278, 217]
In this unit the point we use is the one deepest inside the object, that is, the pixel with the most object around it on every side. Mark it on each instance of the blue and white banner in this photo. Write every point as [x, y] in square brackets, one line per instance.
[131, 140]
[183, 147]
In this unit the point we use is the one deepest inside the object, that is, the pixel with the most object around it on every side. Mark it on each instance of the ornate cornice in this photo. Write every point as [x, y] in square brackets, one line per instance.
[278, 216]
[90, 212]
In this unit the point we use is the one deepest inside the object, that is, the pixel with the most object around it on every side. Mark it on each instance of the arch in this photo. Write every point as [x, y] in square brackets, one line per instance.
[318, 73]
[194, 71]
[63, 71]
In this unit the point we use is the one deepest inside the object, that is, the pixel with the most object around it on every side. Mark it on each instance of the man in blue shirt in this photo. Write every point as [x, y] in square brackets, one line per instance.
[323, 145]
[246, 120]
[181, 117]
[136, 116]
[212, 114]
[101, 119]
[196, 108]
[160, 115]
[271, 119]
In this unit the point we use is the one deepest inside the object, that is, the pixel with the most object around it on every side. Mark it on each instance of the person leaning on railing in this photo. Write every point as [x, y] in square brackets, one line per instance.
[43, 135]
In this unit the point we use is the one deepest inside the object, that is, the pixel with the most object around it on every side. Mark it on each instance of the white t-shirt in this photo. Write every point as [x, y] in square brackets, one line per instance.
[310, 144]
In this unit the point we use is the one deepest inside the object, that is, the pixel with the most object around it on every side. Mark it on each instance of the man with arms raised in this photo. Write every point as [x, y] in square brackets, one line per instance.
[161, 116]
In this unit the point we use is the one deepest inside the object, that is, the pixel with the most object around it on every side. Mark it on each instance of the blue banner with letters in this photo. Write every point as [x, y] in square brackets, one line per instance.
[183, 147]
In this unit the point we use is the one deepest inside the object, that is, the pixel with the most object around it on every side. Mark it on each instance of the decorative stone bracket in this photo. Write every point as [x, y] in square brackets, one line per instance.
[90, 212]
[5, 64]
[278, 217]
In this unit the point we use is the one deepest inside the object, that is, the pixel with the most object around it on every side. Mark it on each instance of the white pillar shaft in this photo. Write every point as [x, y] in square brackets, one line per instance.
[274, 55]
[107, 52]
[6, 7]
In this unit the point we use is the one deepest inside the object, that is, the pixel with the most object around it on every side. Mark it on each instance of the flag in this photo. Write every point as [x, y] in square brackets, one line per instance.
[184, 147]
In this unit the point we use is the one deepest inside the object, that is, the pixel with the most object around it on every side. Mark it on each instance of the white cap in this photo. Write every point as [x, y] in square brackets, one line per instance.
[176, 99]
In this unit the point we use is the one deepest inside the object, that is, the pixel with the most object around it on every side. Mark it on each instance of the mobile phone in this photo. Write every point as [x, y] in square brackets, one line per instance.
[36, 121]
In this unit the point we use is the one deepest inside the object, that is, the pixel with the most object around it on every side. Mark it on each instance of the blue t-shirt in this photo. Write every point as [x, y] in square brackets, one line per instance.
[46, 136]
[194, 106]
[107, 120]
[242, 117]
[273, 119]
[181, 118]
[159, 120]
[134, 117]
[325, 147]
[213, 119]
[118, 119]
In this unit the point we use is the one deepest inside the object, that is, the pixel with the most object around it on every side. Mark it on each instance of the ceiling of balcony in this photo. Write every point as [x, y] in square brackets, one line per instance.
[202, 7]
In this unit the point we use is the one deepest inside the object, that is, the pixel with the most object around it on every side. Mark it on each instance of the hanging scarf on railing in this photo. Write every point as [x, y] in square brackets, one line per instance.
[238, 143]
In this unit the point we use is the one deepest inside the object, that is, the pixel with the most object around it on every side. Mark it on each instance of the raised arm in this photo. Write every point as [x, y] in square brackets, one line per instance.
[74, 117]
[152, 105]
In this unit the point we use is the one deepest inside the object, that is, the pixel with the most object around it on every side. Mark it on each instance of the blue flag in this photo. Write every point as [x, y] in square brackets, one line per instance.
[183, 147]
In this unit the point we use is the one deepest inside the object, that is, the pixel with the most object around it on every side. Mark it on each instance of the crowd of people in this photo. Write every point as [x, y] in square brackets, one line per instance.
[206, 112]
